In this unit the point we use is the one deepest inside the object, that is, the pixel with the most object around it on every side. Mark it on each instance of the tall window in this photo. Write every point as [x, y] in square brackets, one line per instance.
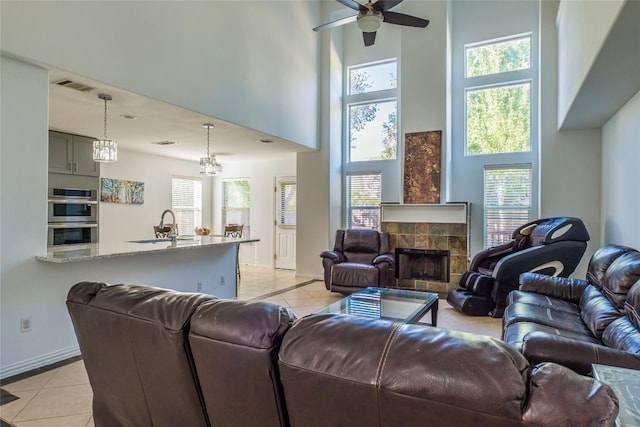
[499, 128]
[372, 111]
[186, 203]
[237, 203]
[507, 201]
[498, 110]
[364, 194]
[287, 208]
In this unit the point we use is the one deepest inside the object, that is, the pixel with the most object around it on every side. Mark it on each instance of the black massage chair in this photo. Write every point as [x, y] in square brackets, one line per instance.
[551, 246]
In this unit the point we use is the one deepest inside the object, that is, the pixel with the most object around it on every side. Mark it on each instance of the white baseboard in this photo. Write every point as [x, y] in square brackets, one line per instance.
[38, 362]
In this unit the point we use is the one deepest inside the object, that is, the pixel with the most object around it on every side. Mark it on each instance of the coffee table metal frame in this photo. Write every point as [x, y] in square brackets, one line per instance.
[371, 302]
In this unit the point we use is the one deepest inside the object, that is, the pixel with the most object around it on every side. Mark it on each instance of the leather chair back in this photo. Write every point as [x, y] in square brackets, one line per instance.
[133, 340]
[361, 245]
[235, 347]
[601, 260]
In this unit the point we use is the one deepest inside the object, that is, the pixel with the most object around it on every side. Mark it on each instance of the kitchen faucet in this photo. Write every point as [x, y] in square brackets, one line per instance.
[172, 233]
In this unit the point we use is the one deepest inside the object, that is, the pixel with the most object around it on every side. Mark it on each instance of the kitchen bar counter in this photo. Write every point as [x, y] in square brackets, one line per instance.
[100, 250]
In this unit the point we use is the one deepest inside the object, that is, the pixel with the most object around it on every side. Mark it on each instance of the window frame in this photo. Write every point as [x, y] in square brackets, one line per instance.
[372, 97]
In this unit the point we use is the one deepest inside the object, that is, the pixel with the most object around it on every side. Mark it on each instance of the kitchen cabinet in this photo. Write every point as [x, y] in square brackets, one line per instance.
[72, 154]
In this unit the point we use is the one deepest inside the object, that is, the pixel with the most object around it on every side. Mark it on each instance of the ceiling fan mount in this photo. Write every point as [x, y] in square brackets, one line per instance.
[371, 16]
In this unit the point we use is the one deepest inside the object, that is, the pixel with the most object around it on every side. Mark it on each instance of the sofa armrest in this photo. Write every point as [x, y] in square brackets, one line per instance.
[384, 258]
[577, 355]
[565, 288]
[336, 257]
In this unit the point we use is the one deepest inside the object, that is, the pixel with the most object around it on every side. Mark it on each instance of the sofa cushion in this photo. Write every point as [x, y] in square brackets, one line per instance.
[597, 311]
[515, 334]
[532, 298]
[622, 335]
[632, 305]
[623, 273]
[601, 260]
[545, 316]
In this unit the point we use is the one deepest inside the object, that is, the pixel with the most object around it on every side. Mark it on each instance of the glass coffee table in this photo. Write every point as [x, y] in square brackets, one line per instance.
[384, 303]
[626, 385]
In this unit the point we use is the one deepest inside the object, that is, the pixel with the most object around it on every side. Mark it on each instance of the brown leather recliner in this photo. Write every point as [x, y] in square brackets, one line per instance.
[360, 258]
[133, 340]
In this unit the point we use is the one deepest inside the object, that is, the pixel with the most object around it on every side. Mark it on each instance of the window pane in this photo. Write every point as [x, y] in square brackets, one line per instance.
[364, 195]
[507, 202]
[287, 204]
[371, 78]
[499, 119]
[509, 55]
[236, 204]
[373, 131]
[186, 203]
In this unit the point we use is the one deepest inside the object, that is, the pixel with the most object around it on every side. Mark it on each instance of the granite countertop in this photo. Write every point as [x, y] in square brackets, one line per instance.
[83, 252]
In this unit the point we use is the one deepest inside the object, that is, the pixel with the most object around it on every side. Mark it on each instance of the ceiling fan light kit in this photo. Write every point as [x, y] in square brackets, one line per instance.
[369, 23]
[370, 17]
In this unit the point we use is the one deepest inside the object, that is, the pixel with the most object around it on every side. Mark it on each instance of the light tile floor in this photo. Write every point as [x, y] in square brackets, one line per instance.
[62, 396]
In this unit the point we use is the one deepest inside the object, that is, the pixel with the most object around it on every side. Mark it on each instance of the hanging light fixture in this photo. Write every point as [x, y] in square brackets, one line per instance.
[209, 165]
[105, 150]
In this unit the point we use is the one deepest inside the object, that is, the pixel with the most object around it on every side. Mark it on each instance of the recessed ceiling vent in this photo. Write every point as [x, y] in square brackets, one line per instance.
[165, 142]
[74, 85]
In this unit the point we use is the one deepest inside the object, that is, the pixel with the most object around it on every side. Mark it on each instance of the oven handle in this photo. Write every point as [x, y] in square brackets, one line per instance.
[74, 201]
[74, 225]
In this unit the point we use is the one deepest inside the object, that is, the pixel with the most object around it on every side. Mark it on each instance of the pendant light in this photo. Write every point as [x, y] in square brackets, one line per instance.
[105, 150]
[209, 165]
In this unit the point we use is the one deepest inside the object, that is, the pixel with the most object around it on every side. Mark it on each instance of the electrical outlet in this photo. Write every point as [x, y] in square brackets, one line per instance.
[221, 280]
[25, 324]
[199, 287]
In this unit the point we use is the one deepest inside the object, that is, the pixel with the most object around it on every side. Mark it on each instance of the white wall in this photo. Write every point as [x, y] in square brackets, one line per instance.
[569, 160]
[583, 27]
[219, 58]
[261, 176]
[422, 106]
[120, 222]
[621, 175]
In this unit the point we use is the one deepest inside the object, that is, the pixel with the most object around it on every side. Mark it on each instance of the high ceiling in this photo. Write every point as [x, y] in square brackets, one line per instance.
[82, 113]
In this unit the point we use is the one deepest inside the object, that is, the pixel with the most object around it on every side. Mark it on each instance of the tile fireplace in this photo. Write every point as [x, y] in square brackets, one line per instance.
[431, 243]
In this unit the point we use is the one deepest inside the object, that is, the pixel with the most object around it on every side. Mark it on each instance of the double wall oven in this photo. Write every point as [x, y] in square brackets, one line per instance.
[72, 216]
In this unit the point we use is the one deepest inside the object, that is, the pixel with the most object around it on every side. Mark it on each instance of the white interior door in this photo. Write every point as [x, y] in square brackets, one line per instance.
[285, 223]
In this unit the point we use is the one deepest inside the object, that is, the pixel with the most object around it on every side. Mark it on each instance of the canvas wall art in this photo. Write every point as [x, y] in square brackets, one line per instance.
[121, 191]
[422, 167]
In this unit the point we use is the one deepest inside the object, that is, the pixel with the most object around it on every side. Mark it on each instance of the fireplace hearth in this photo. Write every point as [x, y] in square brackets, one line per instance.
[422, 264]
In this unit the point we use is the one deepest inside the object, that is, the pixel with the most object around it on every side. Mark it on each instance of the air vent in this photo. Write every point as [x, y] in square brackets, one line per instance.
[165, 143]
[74, 85]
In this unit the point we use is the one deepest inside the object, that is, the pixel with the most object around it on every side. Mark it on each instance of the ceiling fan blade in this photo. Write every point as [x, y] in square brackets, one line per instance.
[351, 4]
[402, 19]
[369, 38]
[384, 5]
[336, 23]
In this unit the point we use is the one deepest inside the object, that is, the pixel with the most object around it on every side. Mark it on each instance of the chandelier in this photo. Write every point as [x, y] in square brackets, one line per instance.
[105, 150]
[209, 165]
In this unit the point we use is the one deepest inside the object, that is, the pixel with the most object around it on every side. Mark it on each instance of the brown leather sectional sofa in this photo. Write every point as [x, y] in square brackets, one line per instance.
[157, 357]
[577, 322]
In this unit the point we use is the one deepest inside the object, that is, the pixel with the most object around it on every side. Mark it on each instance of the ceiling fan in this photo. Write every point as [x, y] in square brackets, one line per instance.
[370, 17]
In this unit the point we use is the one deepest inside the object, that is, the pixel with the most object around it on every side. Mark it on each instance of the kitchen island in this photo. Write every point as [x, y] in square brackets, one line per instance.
[200, 264]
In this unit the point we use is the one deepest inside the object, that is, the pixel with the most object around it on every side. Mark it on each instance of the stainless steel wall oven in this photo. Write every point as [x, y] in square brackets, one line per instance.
[72, 216]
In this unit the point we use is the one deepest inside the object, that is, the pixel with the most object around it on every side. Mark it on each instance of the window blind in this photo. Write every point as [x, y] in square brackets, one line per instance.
[507, 202]
[186, 203]
[287, 203]
[236, 204]
[364, 195]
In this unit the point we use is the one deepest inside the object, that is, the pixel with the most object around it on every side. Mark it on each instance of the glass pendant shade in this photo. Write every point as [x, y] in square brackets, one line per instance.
[209, 166]
[105, 150]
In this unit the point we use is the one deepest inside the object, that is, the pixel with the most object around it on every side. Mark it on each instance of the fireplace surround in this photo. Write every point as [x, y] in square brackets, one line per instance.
[429, 227]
